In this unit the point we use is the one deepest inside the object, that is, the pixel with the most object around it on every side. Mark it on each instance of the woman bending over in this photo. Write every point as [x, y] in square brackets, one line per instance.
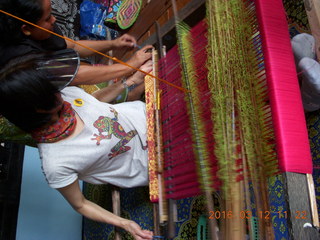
[78, 136]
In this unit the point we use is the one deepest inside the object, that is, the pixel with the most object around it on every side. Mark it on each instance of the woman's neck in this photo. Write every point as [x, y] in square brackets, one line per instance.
[78, 128]
[65, 124]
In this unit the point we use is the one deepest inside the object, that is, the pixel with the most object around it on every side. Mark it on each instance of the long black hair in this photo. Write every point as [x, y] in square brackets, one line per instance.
[10, 28]
[24, 90]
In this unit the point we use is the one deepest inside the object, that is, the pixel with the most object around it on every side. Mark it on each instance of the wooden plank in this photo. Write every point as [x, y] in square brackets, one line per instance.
[313, 201]
[298, 205]
[116, 209]
[149, 37]
[155, 10]
[313, 13]
[148, 15]
[156, 223]
[185, 12]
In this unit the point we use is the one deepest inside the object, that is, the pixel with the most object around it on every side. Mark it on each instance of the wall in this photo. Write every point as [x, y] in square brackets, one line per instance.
[43, 212]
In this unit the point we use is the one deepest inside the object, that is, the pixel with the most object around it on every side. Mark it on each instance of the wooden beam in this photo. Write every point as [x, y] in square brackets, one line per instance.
[148, 16]
[116, 209]
[313, 13]
[185, 12]
[298, 205]
[146, 21]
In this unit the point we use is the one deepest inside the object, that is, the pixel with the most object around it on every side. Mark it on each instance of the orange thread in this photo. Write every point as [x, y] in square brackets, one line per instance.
[93, 50]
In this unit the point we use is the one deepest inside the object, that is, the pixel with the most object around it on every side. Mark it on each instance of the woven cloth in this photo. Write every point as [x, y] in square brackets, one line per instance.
[128, 12]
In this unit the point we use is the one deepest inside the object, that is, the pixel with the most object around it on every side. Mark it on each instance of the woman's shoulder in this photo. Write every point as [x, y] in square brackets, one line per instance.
[74, 93]
[8, 52]
[72, 89]
[81, 101]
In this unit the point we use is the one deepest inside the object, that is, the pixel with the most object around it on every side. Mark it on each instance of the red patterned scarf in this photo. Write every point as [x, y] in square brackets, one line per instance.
[61, 129]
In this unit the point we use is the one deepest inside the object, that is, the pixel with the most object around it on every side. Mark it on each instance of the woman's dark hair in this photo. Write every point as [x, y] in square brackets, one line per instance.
[25, 89]
[10, 28]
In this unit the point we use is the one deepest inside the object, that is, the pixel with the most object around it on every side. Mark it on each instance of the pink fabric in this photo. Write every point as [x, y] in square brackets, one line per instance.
[287, 112]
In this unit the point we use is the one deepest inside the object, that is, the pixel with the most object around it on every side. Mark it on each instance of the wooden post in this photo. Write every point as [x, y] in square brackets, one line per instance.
[156, 217]
[298, 205]
[116, 209]
[313, 202]
[313, 11]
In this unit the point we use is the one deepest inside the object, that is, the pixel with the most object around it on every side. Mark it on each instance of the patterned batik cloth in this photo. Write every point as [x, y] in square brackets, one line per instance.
[68, 17]
[296, 16]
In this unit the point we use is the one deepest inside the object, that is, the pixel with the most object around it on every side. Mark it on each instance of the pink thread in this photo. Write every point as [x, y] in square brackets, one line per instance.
[287, 112]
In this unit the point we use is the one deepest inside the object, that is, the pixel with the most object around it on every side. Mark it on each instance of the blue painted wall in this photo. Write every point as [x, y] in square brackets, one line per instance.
[43, 212]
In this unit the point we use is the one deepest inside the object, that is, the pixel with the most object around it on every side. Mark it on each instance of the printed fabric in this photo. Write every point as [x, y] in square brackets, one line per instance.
[110, 149]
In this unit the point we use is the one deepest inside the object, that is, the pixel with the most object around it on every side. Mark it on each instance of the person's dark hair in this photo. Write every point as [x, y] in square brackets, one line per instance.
[10, 28]
[24, 89]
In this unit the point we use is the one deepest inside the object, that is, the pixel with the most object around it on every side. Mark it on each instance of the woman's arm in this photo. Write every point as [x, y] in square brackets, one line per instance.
[74, 196]
[88, 74]
[125, 41]
[110, 93]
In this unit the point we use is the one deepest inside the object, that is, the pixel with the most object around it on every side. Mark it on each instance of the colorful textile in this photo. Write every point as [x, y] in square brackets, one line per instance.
[68, 17]
[150, 109]
[63, 128]
[113, 7]
[189, 212]
[128, 13]
[278, 210]
[296, 16]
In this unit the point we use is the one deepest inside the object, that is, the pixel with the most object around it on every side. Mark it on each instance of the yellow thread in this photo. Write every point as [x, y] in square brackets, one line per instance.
[93, 50]
[158, 100]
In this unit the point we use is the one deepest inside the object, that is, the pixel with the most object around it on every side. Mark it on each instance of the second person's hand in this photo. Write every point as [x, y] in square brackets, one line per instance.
[125, 40]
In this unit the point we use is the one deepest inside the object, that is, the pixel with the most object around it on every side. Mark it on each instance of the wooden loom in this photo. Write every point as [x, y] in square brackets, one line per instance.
[275, 91]
[274, 67]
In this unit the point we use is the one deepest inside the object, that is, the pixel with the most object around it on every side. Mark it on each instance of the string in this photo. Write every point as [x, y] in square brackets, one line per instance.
[287, 109]
[177, 144]
[95, 51]
[306, 70]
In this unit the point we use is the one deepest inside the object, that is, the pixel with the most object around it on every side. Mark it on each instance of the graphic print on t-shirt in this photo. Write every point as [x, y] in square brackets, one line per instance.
[111, 126]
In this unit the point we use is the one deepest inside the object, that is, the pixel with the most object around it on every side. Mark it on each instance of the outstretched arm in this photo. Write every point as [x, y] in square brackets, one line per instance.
[89, 74]
[74, 196]
[125, 41]
[109, 93]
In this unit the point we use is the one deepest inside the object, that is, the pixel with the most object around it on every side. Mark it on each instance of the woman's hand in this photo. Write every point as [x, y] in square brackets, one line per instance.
[141, 56]
[125, 40]
[138, 77]
[136, 231]
[146, 67]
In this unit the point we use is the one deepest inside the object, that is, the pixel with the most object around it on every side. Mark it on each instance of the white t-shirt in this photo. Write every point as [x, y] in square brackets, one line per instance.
[110, 149]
